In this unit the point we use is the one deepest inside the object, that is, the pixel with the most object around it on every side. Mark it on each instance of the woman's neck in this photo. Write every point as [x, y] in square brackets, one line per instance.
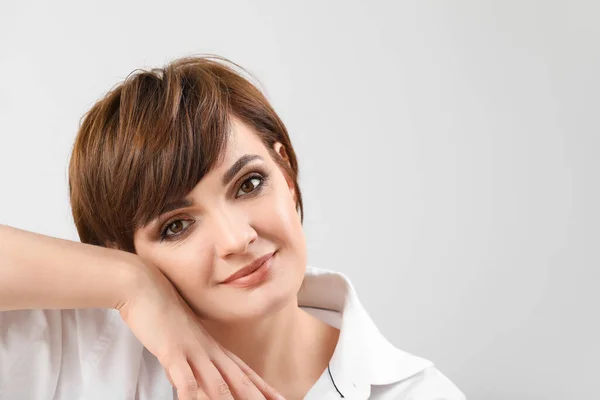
[289, 349]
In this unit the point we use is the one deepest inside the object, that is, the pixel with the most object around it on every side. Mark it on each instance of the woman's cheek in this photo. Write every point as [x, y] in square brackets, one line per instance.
[187, 265]
[286, 220]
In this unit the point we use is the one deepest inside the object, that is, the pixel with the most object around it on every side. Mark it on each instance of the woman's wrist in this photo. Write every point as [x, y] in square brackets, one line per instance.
[133, 279]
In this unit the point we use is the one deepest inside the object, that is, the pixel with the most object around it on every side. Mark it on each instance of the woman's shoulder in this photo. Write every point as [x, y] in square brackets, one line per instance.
[364, 360]
[22, 328]
[79, 329]
[427, 384]
[63, 351]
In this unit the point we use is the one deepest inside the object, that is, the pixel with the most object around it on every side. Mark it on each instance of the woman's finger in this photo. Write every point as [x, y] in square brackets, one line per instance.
[269, 392]
[209, 378]
[240, 383]
[185, 382]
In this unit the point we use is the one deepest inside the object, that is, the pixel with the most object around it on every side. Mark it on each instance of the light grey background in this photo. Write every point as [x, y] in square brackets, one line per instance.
[448, 152]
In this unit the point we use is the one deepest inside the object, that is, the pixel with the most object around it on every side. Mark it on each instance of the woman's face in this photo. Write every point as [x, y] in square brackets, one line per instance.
[226, 227]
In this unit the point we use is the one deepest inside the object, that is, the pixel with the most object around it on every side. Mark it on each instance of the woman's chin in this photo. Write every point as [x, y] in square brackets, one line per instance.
[259, 303]
[257, 306]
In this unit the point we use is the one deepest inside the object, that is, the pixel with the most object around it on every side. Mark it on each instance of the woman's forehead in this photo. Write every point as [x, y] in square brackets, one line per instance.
[242, 140]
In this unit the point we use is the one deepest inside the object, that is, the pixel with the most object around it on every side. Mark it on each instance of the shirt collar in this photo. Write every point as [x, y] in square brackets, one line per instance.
[363, 356]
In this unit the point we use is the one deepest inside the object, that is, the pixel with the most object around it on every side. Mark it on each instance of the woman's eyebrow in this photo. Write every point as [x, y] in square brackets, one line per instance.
[237, 166]
[227, 177]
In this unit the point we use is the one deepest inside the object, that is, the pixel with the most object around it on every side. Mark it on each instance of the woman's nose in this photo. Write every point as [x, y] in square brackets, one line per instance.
[232, 233]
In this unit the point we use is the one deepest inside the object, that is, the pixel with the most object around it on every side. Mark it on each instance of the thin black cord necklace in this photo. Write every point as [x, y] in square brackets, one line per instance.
[334, 385]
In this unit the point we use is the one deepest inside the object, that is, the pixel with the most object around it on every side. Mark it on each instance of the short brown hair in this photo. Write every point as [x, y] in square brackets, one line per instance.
[153, 137]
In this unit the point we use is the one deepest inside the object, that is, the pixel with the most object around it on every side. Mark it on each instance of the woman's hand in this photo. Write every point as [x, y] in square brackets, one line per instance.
[196, 364]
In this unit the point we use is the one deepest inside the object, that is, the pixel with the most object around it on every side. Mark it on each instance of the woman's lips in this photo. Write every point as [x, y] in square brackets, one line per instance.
[255, 276]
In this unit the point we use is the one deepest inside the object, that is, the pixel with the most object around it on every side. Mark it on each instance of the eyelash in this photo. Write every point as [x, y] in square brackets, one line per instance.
[263, 178]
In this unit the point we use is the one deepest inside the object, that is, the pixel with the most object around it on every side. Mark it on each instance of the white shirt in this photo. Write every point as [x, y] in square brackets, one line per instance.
[89, 354]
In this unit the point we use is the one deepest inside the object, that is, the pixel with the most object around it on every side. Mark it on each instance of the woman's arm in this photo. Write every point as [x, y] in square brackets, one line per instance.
[42, 272]
[38, 271]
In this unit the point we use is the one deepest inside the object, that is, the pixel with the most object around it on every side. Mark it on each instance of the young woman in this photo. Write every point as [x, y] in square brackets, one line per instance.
[191, 279]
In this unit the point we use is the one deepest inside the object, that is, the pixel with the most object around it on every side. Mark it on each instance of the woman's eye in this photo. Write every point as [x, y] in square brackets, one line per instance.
[251, 184]
[175, 227]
